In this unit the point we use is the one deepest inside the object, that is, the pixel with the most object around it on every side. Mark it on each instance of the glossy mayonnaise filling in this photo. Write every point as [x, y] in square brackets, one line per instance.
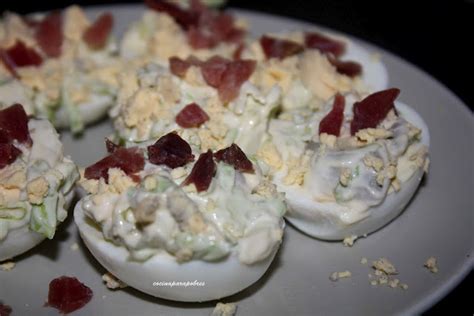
[239, 213]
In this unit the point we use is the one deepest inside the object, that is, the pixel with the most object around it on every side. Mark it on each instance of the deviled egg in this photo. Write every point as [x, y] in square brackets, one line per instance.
[169, 217]
[311, 67]
[64, 63]
[350, 168]
[36, 181]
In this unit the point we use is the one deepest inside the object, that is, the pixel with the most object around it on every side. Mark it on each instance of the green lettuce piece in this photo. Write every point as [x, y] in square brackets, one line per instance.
[43, 217]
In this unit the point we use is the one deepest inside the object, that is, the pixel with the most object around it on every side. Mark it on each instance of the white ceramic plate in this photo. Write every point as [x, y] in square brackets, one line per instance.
[438, 222]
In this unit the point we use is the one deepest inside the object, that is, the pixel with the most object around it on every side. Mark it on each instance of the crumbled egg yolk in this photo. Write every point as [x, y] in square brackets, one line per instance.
[37, 189]
[320, 77]
[270, 155]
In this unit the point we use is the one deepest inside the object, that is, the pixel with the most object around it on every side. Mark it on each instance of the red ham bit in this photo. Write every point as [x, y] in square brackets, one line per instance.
[191, 116]
[19, 55]
[213, 70]
[68, 294]
[212, 29]
[5, 310]
[332, 122]
[372, 110]
[170, 150]
[111, 146]
[235, 157]
[14, 124]
[324, 44]
[129, 160]
[236, 74]
[49, 34]
[8, 154]
[348, 68]
[205, 28]
[279, 48]
[237, 55]
[185, 18]
[202, 172]
[97, 34]
[178, 67]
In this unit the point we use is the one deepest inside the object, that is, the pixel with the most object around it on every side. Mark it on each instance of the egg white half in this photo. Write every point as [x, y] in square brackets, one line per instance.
[221, 278]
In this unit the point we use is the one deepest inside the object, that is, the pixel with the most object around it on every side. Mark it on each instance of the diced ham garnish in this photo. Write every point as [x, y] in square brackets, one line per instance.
[205, 28]
[236, 74]
[279, 48]
[178, 66]
[185, 18]
[8, 154]
[14, 124]
[19, 55]
[97, 34]
[170, 150]
[372, 110]
[202, 173]
[111, 146]
[5, 310]
[235, 157]
[129, 160]
[348, 68]
[49, 34]
[68, 294]
[332, 122]
[212, 29]
[226, 75]
[192, 115]
[213, 70]
[238, 52]
[324, 44]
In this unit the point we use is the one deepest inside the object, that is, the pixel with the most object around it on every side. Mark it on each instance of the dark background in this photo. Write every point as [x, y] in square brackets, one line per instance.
[434, 35]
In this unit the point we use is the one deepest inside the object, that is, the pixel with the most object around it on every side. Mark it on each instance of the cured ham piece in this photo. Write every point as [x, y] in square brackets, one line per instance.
[279, 48]
[324, 44]
[226, 75]
[202, 173]
[19, 55]
[205, 28]
[129, 160]
[14, 124]
[5, 310]
[372, 110]
[97, 34]
[49, 34]
[192, 115]
[185, 18]
[348, 68]
[68, 294]
[332, 122]
[8, 154]
[235, 157]
[236, 73]
[213, 70]
[170, 150]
